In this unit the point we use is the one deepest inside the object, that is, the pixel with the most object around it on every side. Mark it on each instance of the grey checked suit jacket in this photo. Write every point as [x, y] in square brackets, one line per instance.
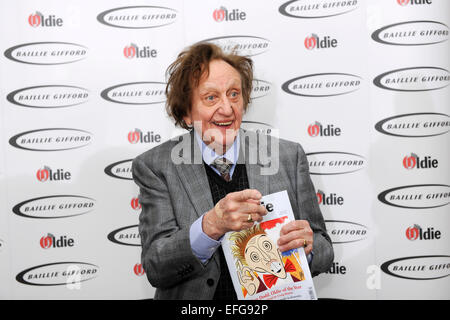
[174, 192]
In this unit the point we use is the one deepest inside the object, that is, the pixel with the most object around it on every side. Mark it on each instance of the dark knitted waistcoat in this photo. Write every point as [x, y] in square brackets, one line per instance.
[219, 189]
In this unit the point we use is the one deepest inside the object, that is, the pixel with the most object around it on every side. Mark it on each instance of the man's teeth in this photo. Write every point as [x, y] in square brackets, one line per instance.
[223, 123]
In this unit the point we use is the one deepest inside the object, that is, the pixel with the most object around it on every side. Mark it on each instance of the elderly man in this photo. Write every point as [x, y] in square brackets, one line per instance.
[188, 203]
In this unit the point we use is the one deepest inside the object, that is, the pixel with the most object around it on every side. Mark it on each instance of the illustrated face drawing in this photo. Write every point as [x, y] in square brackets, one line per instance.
[262, 255]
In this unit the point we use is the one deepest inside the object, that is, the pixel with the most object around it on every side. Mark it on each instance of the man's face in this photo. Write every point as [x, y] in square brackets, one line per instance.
[217, 106]
[262, 255]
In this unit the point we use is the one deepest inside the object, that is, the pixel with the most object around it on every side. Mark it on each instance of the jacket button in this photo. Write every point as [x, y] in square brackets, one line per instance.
[210, 282]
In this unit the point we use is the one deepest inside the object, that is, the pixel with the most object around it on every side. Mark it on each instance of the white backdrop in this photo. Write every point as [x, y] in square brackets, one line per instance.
[362, 85]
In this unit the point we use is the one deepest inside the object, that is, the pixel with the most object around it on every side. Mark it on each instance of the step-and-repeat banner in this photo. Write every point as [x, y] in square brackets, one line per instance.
[362, 85]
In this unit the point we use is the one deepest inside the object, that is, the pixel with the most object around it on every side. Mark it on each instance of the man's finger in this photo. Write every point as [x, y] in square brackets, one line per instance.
[296, 234]
[245, 195]
[249, 207]
[294, 225]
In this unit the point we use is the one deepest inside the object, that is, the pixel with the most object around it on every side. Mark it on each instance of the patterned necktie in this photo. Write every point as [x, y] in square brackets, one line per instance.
[223, 166]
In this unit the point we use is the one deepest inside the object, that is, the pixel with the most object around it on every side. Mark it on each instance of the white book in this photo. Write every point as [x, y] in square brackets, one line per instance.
[257, 267]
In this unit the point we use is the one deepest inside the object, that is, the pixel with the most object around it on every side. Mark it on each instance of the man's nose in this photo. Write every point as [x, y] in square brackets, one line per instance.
[226, 107]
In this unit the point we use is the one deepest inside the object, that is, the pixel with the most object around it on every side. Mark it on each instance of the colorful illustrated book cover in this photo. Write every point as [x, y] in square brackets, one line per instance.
[258, 269]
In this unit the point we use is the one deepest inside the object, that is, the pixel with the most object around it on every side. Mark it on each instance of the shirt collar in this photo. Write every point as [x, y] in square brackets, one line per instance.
[209, 155]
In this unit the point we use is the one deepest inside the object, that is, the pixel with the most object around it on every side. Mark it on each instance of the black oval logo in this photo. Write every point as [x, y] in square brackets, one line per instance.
[310, 9]
[241, 45]
[418, 267]
[419, 196]
[334, 162]
[415, 125]
[260, 88]
[322, 85]
[138, 17]
[49, 96]
[120, 170]
[346, 231]
[412, 33]
[53, 139]
[413, 79]
[136, 93]
[47, 53]
[127, 236]
[53, 207]
[57, 274]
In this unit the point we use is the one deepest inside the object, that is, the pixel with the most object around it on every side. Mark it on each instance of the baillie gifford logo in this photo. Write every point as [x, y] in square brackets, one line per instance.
[222, 14]
[404, 3]
[39, 20]
[314, 42]
[133, 51]
[137, 136]
[414, 162]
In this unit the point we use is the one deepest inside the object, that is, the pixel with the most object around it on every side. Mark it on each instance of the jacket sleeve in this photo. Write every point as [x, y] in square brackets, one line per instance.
[167, 257]
[309, 210]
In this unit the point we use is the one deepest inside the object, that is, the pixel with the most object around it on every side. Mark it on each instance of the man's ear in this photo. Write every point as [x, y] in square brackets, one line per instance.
[187, 119]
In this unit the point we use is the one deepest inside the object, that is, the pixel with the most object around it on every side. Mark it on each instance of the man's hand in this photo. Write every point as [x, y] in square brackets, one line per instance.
[232, 213]
[293, 234]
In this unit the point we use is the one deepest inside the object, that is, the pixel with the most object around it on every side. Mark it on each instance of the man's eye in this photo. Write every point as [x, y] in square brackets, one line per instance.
[234, 94]
[210, 98]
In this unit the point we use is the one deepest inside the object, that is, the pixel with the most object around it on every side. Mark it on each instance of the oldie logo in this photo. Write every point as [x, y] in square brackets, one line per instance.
[136, 93]
[138, 269]
[135, 205]
[137, 136]
[418, 267]
[50, 241]
[336, 268]
[47, 174]
[39, 20]
[309, 9]
[420, 196]
[47, 53]
[415, 125]
[345, 231]
[222, 14]
[51, 207]
[49, 96]
[413, 161]
[331, 199]
[416, 232]
[413, 2]
[134, 51]
[412, 33]
[413, 79]
[120, 170]
[318, 130]
[138, 17]
[241, 45]
[53, 139]
[315, 42]
[127, 236]
[331, 162]
[58, 273]
[322, 84]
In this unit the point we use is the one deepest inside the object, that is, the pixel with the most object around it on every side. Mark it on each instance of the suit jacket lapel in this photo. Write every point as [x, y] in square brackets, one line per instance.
[193, 176]
[249, 154]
